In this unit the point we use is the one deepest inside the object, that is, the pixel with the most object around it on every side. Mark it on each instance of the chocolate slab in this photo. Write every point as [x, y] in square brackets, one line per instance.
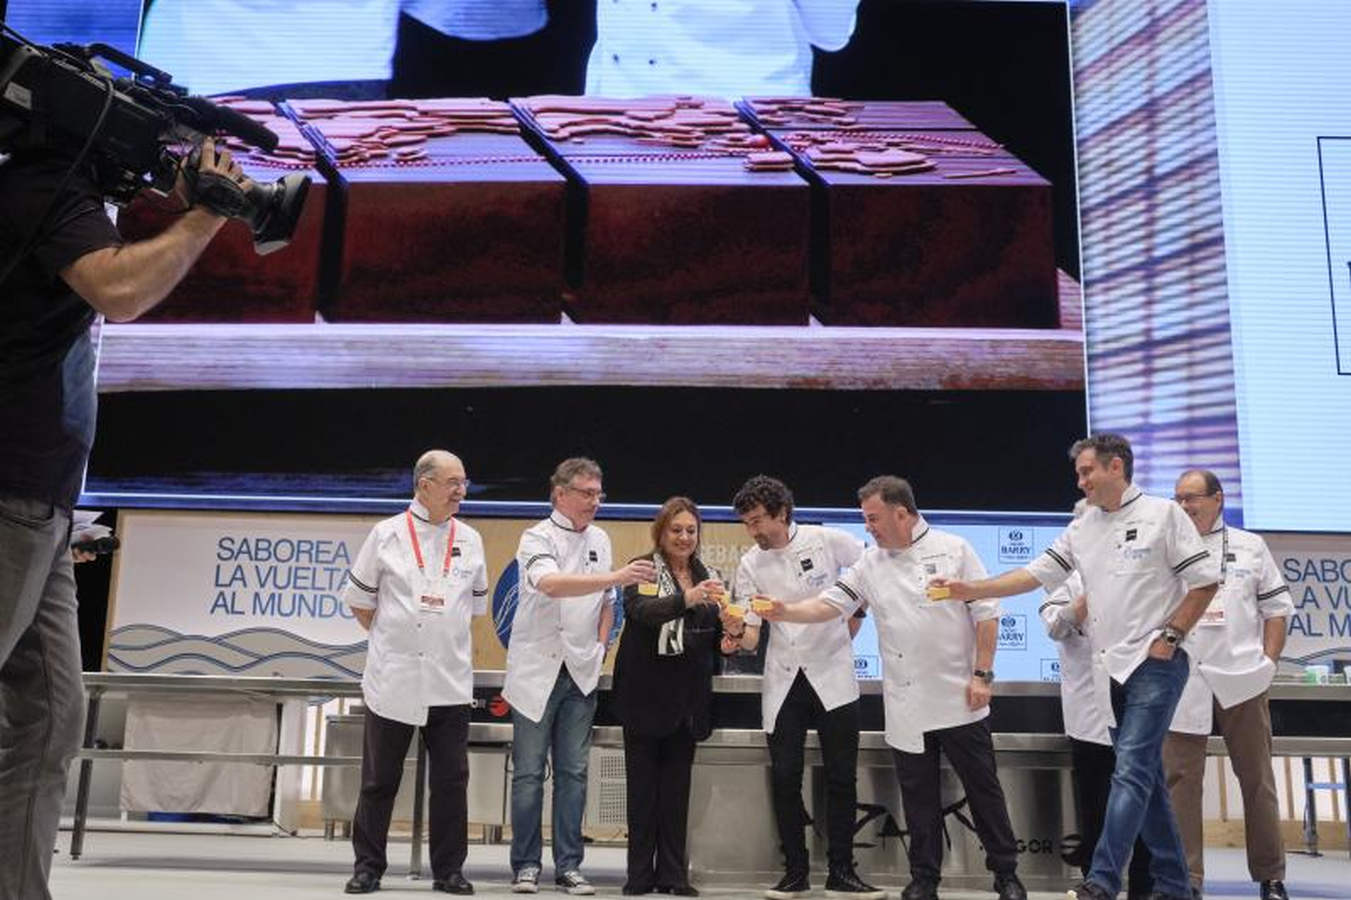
[230, 282]
[664, 234]
[928, 222]
[470, 232]
[914, 115]
[939, 247]
[691, 242]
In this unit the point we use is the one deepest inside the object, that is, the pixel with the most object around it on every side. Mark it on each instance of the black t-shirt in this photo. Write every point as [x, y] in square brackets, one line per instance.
[47, 395]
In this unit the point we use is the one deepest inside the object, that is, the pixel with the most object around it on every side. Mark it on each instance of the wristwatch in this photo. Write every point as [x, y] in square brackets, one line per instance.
[985, 675]
[1172, 636]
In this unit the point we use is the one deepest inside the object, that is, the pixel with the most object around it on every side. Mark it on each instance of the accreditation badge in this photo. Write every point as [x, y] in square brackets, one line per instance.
[1213, 617]
[433, 597]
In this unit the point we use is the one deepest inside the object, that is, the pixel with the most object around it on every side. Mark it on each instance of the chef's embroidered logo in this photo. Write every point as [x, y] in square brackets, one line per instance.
[931, 568]
[591, 555]
[454, 551]
[807, 565]
[1131, 534]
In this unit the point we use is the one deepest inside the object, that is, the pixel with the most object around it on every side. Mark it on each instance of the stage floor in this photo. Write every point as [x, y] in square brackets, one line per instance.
[150, 866]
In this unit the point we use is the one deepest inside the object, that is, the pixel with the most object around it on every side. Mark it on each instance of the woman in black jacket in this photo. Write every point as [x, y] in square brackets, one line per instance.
[663, 690]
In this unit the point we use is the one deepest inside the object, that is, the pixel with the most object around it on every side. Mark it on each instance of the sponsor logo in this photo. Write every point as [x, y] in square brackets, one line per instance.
[867, 667]
[1015, 545]
[1012, 632]
[1050, 670]
[504, 601]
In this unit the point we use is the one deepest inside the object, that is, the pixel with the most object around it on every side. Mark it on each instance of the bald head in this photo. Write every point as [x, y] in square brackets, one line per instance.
[439, 483]
[431, 463]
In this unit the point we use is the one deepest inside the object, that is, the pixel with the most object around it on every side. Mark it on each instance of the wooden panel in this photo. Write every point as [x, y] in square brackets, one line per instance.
[324, 355]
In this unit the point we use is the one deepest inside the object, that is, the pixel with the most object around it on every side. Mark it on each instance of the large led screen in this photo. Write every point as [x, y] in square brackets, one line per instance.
[695, 240]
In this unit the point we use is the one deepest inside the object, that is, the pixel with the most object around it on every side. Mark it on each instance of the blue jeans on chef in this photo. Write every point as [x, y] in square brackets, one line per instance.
[1138, 803]
[565, 728]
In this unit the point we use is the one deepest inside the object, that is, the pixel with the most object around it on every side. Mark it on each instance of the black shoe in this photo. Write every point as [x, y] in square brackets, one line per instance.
[1274, 889]
[791, 886]
[1087, 890]
[363, 883]
[920, 889]
[455, 884]
[678, 890]
[636, 890]
[843, 881]
[1008, 887]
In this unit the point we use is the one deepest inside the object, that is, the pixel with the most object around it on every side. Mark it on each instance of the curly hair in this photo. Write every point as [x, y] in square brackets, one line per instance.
[762, 490]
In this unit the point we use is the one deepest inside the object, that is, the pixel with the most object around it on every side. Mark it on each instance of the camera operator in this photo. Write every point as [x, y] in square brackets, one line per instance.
[71, 265]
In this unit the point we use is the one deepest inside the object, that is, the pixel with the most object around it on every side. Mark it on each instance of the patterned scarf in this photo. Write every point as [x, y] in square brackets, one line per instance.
[671, 637]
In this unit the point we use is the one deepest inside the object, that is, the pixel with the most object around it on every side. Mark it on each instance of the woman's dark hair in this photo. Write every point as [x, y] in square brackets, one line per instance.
[669, 510]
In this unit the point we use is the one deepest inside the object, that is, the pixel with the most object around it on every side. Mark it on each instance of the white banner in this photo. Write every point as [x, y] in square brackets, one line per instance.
[235, 594]
[1318, 569]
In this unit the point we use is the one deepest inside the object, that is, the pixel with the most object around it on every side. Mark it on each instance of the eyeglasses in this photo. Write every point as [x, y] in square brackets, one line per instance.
[589, 493]
[455, 484]
[1187, 498]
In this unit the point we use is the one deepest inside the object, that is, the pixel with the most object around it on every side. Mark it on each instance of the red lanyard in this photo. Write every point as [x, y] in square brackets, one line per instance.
[417, 548]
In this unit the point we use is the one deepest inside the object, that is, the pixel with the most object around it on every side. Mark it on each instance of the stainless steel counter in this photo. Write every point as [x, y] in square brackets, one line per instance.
[731, 823]
[127, 682]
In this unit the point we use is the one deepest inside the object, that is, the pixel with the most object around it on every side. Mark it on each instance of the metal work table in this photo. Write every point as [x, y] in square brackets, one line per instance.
[1325, 731]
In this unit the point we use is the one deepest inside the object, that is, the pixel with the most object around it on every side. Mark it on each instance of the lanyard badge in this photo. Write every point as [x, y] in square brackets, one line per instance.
[433, 597]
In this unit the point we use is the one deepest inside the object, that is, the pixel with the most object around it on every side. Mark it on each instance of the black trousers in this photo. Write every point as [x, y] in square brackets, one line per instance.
[657, 774]
[1092, 766]
[428, 63]
[837, 730]
[385, 745]
[970, 751]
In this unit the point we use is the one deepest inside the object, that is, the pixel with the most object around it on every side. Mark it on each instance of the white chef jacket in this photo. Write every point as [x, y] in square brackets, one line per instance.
[1226, 645]
[415, 658]
[215, 46]
[1079, 707]
[480, 20]
[803, 568]
[928, 646]
[716, 48]
[1137, 563]
[549, 632]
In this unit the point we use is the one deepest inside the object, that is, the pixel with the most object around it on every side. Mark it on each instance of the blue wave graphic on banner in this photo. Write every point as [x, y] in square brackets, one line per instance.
[143, 647]
[225, 639]
[124, 666]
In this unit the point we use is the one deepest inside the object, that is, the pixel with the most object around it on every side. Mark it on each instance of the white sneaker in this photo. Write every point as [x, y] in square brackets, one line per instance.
[574, 883]
[526, 881]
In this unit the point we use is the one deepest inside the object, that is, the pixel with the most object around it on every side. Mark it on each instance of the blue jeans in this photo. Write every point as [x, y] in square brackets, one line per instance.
[41, 692]
[1138, 804]
[565, 728]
